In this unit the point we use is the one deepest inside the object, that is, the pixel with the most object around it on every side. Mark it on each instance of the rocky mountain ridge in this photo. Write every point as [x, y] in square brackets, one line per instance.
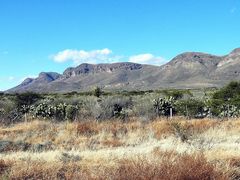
[187, 70]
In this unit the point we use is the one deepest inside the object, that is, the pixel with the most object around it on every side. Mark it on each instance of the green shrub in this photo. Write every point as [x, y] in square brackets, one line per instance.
[230, 91]
[176, 93]
[192, 108]
[60, 112]
[88, 107]
[97, 92]
[9, 112]
[71, 112]
[27, 98]
[143, 107]
[112, 107]
[226, 100]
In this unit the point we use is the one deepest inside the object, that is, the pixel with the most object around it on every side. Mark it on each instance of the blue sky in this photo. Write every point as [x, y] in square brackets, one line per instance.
[51, 35]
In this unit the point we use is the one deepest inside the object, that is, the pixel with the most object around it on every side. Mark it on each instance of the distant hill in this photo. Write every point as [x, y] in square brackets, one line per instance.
[187, 70]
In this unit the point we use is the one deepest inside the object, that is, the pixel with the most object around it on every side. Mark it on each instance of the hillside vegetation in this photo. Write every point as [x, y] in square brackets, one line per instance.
[122, 135]
[99, 105]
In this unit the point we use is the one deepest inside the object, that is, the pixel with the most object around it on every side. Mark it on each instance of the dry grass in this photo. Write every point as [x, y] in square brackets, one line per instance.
[167, 166]
[87, 128]
[165, 128]
[117, 150]
[170, 167]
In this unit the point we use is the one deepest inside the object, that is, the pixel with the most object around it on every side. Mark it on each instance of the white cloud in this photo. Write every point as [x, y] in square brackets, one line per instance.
[104, 56]
[82, 56]
[147, 59]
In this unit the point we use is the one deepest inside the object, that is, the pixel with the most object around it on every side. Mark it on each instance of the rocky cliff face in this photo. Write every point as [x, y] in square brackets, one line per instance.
[48, 77]
[84, 69]
[187, 70]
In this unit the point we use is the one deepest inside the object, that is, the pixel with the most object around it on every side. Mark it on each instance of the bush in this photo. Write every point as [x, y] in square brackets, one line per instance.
[9, 112]
[230, 91]
[143, 107]
[60, 111]
[192, 108]
[176, 94]
[71, 112]
[26, 99]
[226, 101]
[114, 107]
[97, 92]
[89, 108]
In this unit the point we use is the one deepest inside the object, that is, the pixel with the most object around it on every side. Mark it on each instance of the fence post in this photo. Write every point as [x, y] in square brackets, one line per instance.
[187, 112]
[171, 113]
[228, 112]
[25, 115]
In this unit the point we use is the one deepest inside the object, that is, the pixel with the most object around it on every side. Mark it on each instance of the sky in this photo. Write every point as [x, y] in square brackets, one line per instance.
[51, 35]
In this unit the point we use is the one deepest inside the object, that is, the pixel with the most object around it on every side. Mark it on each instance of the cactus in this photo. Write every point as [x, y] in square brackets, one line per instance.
[162, 106]
[229, 111]
[58, 112]
[44, 110]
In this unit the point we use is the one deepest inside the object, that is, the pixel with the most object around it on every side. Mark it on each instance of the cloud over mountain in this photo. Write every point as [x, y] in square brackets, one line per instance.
[82, 56]
[147, 59]
[104, 56]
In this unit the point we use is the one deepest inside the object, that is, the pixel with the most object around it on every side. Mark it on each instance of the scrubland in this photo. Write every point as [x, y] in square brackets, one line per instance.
[112, 149]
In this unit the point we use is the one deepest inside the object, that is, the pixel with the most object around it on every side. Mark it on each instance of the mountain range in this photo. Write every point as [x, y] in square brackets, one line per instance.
[187, 70]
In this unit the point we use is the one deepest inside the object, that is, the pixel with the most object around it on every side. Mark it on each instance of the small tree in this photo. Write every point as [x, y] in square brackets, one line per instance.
[97, 92]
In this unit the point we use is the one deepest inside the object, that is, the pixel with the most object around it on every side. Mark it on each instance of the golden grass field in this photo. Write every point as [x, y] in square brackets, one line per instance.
[161, 149]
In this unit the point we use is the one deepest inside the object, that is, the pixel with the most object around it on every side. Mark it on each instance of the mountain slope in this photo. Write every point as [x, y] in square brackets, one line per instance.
[229, 67]
[187, 70]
